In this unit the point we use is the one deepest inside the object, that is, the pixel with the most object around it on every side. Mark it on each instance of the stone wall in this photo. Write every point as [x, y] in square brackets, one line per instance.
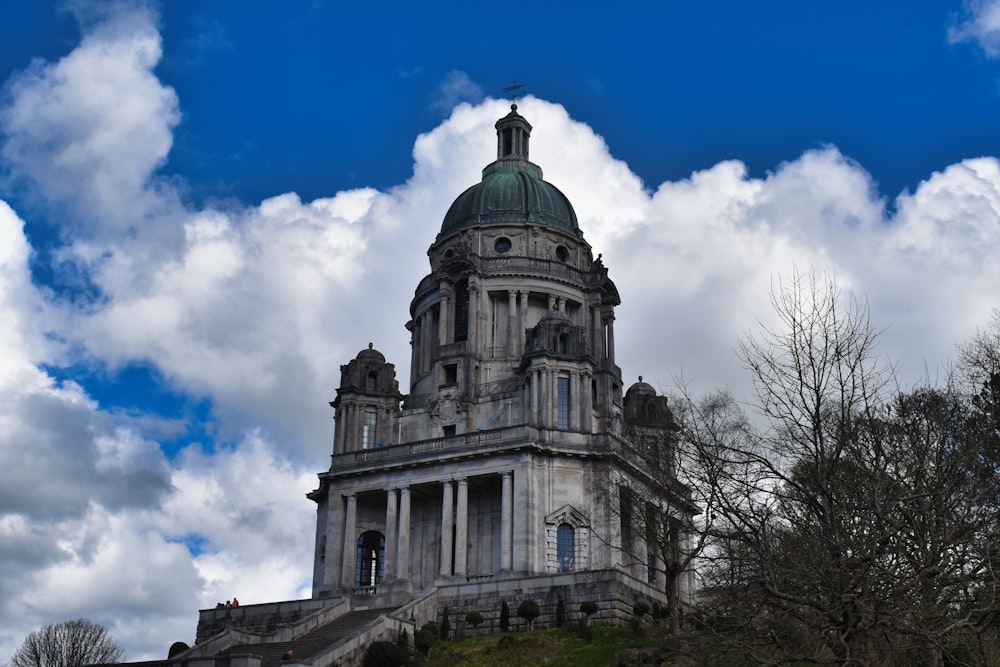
[614, 591]
[257, 618]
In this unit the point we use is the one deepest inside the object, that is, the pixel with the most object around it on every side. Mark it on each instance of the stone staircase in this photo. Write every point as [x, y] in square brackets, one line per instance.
[309, 644]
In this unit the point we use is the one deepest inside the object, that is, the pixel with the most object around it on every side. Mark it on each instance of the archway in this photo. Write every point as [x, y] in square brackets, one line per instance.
[370, 565]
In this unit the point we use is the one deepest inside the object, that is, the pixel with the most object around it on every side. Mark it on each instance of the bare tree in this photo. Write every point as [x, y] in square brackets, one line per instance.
[979, 358]
[669, 504]
[68, 644]
[856, 528]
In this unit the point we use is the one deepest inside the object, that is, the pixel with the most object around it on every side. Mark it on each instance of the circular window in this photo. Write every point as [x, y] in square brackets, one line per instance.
[448, 253]
[561, 253]
[502, 245]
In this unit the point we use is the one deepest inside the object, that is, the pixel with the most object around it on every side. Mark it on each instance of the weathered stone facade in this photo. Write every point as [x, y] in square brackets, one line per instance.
[502, 459]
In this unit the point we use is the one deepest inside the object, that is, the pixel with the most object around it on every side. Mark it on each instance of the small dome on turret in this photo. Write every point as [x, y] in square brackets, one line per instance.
[371, 354]
[640, 388]
[512, 189]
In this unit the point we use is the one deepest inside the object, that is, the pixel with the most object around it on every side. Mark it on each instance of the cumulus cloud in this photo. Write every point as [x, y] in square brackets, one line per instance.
[980, 24]
[457, 87]
[254, 306]
[86, 133]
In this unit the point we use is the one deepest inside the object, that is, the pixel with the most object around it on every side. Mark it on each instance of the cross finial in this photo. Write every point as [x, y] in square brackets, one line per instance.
[513, 91]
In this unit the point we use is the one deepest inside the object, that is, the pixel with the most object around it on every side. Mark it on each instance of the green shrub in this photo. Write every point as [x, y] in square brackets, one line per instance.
[589, 608]
[560, 613]
[506, 641]
[529, 611]
[585, 632]
[640, 609]
[504, 616]
[445, 624]
[474, 618]
[385, 654]
[424, 639]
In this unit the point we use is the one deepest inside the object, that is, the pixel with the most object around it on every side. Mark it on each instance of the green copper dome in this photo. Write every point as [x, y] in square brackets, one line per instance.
[511, 194]
[512, 189]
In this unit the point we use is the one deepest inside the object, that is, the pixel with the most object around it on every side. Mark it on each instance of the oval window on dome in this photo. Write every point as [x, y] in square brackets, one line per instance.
[502, 245]
[561, 253]
[448, 253]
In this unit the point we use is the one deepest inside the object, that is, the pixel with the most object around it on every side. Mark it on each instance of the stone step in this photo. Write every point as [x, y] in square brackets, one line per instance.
[311, 643]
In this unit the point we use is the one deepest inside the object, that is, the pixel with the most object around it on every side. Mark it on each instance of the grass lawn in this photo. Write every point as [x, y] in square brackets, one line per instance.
[554, 648]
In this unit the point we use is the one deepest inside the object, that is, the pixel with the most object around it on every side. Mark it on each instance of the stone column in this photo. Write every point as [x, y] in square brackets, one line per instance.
[447, 517]
[338, 438]
[403, 548]
[350, 543]
[522, 322]
[443, 318]
[428, 340]
[611, 337]
[574, 401]
[474, 344]
[551, 384]
[535, 380]
[413, 326]
[462, 528]
[598, 342]
[391, 522]
[511, 323]
[506, 520]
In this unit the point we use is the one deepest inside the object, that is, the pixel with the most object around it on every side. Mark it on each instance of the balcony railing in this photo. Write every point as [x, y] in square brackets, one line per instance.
[499, 387]
[420, 448]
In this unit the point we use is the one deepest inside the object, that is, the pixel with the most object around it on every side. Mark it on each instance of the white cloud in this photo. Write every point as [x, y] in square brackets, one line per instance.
[981, 24]
[457, 87]
[87, 132]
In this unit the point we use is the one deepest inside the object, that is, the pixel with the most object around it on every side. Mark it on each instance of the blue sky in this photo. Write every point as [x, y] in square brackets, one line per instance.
[206, 208]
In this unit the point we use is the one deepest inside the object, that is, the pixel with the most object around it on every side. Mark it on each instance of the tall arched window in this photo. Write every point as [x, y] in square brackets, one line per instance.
[461, 310]
[562, 400]
[370, 565]
[565, 547]
[368, 428]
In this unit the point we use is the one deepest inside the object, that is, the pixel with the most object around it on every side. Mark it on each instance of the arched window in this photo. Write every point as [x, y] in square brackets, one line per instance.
[368, 428]
[562, 344]
[370, 565]
[562, 400]
[565, 547]
[461, 310]
[372, 380]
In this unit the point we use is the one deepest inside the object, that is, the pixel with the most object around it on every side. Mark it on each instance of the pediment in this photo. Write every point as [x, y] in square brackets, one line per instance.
[568, 514]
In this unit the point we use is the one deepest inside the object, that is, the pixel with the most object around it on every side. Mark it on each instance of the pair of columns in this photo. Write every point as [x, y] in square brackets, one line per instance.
[397, 542]
[544, 407]
[457, 509]
[397, 533]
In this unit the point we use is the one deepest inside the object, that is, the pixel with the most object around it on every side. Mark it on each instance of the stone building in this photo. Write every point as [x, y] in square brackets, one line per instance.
[497, 461]
[510, 467]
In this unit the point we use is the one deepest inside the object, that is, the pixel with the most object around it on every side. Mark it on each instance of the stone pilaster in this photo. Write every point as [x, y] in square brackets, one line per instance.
[462, 528]
[403, 548]
[506, 521]
[391, 522]
[447, 517]
[350, 543]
